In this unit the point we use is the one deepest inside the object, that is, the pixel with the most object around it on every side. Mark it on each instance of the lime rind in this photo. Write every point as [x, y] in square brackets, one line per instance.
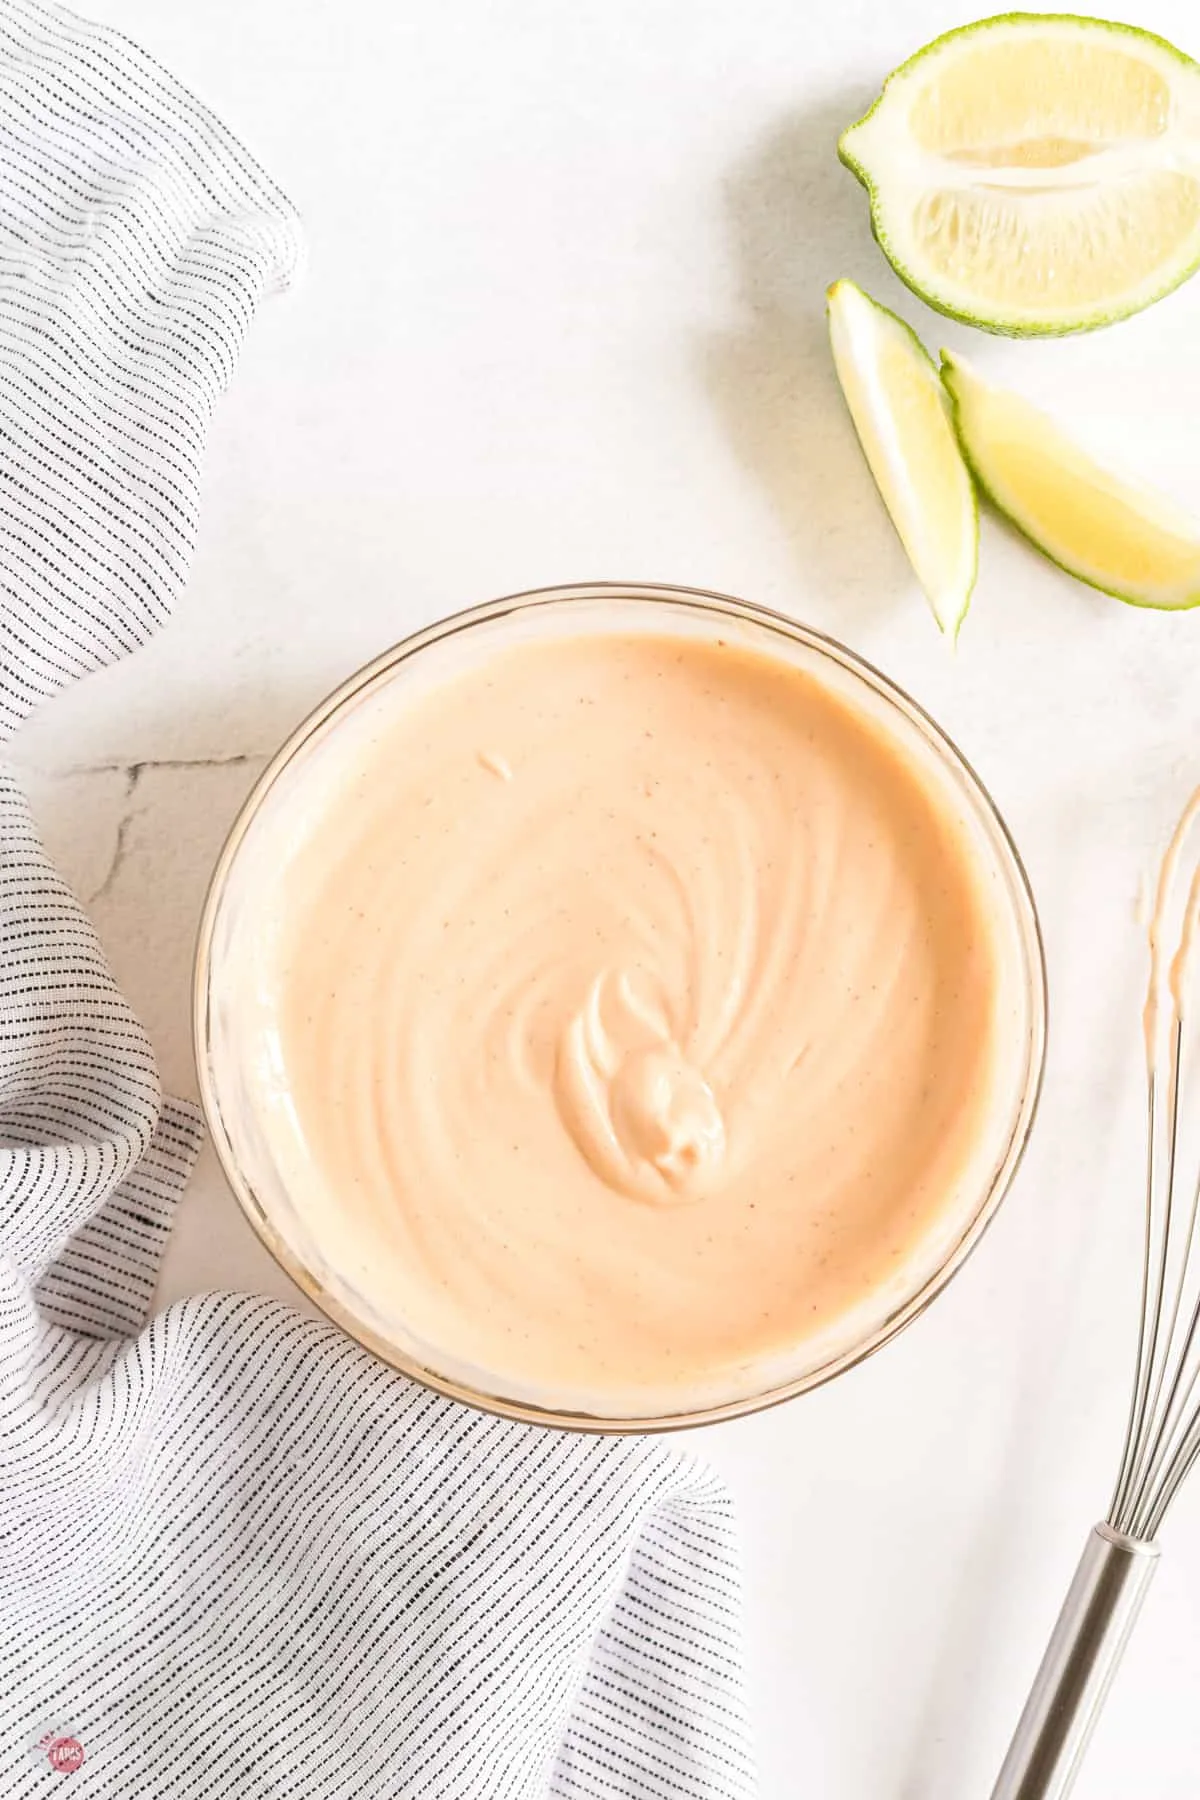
[1066, 325]
[955, 372]
[949, 603]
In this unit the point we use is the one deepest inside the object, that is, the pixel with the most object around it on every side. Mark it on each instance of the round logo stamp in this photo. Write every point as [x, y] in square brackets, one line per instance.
[65, 1753]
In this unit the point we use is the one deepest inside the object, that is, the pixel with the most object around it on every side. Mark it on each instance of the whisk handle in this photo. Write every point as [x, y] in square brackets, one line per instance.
[1077, 1669]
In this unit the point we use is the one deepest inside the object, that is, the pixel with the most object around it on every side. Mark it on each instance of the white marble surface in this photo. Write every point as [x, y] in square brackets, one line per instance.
[564, 319]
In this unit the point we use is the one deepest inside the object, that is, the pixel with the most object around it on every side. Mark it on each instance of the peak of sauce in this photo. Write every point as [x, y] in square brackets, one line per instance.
[636, 1012]
[643, 1115]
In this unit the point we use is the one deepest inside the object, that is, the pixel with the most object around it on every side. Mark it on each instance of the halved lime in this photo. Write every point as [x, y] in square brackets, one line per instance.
[1109, 532]
[1036, 172]
[900, 412]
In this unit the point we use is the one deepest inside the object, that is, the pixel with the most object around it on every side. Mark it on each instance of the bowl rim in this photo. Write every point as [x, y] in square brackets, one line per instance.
[701, 600]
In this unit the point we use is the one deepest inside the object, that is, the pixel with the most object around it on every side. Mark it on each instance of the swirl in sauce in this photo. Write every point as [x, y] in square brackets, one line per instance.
[637, 1004]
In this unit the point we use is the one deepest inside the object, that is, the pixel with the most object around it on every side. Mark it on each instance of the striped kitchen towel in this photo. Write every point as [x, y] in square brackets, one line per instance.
[238, 1557]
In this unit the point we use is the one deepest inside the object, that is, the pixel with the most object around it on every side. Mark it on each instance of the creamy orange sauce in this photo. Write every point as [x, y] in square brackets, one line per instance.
[637, 1005]
[1170, 970]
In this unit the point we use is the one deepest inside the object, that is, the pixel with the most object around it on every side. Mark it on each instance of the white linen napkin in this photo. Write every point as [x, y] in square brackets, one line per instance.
[239, 1557]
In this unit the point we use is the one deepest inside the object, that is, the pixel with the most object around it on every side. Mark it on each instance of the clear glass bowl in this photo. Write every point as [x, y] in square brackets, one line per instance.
[258, 1184]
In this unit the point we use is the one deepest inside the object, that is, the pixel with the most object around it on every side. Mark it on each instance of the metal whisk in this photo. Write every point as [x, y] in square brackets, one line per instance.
[1162, 1440]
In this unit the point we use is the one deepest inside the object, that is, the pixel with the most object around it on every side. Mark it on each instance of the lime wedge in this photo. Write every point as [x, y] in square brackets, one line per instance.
[1036, 172]
[899, 408]
[1109, 532]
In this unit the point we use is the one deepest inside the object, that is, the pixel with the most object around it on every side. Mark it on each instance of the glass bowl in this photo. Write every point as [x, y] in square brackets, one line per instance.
[418, 664]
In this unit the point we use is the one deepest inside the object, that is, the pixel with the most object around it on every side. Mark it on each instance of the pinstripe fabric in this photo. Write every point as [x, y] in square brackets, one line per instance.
[237, 1556]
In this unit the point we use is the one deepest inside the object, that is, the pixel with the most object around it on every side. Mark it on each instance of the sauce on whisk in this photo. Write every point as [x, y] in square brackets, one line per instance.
[1171, 971]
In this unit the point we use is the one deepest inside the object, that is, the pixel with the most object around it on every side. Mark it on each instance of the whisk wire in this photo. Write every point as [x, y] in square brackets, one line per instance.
[1181, 1467]
[1150, 1370]
[1141, 1377]
[1170, 1433]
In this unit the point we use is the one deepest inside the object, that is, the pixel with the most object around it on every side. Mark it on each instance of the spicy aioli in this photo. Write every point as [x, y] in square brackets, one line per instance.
[637, 1007]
